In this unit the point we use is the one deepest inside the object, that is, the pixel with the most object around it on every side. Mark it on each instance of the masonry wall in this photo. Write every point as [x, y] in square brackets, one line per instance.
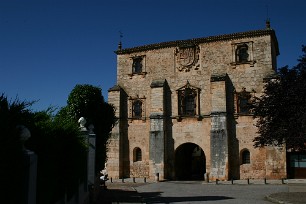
[217, 110]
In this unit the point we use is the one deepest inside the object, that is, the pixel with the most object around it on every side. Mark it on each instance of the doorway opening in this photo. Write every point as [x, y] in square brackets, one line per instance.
[190, 162]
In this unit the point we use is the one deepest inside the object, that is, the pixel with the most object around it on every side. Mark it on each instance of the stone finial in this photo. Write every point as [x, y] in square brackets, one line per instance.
[91, 128]
[25, 134]
[120, 42]
[82, 122]
[268, 26]
[120, 46]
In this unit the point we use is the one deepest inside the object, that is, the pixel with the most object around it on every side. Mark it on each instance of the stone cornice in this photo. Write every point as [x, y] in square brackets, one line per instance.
[114, 88]
[157, 83]
[221, 77]
[226, 37]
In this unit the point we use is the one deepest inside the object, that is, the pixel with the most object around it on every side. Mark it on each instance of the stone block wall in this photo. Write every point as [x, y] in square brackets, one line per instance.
[217, 75]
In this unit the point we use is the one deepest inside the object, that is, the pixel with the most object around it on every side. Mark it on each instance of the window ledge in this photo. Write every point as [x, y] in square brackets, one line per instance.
[137, 118]
[243, 114]
[251, 63]
[143, 74]
[179, 118]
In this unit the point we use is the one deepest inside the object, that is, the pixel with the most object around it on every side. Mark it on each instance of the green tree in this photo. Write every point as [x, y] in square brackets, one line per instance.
[281, 110]
[59, 146]
[61, 151]
[12, 114]
[87, 101]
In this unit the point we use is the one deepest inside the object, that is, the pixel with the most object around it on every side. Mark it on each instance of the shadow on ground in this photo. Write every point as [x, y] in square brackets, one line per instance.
[118, 195]
[131, 196]
[155, 198]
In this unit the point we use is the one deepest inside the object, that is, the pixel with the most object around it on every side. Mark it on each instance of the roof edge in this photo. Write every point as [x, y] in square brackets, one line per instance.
[225, 37]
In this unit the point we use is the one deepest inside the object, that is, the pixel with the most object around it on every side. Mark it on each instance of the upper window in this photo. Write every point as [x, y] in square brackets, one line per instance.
[137, 65]
[187, 100]
[245, 157]
[137, 108]
[242, 54]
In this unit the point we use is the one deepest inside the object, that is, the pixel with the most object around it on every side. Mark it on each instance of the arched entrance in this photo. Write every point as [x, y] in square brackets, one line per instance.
[190, 162]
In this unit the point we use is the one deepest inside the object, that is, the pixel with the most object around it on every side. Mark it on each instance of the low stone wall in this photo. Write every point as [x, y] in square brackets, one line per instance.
[140, 170]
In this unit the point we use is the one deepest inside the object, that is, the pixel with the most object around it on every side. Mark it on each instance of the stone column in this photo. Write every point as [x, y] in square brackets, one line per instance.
[218, 134]
[157, 130]
[29, 169]
[91, 162]
[91, 155]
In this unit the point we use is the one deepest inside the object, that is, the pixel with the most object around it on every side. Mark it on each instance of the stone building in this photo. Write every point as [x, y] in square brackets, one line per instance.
[183, 109]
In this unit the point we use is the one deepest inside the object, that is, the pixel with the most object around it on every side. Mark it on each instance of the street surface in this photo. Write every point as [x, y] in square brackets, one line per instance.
[199, 192]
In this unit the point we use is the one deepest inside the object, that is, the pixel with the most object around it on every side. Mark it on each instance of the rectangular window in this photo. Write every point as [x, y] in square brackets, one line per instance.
[242, 53]
[136, 107]
[137, 65]
[188, 97]
[243, 103]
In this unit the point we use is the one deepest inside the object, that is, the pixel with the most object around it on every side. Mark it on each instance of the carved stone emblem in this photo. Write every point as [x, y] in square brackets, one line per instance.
[187, 57]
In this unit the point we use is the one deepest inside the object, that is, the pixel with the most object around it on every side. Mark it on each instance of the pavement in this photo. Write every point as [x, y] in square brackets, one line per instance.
[118, 191]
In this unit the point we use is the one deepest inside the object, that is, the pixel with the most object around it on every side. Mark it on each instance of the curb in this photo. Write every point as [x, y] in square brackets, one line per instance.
[274, 200]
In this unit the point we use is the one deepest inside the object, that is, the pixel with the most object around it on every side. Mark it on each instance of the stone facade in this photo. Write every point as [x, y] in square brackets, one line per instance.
[182, 109]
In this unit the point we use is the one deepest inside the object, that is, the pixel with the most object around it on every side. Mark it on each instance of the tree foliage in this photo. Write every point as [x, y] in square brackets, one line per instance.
[281, 110]
[59, 146]
[87, 101]
[61, 151]
[12, 114]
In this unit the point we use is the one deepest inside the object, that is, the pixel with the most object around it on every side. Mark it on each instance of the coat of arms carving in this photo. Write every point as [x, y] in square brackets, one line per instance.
[187, 57]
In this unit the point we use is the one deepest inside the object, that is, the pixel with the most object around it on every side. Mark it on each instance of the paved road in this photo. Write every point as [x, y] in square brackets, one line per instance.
[293, 192]
[197, 192]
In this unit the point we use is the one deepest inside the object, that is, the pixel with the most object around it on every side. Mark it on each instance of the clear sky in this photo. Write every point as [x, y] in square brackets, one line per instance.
[49, 46]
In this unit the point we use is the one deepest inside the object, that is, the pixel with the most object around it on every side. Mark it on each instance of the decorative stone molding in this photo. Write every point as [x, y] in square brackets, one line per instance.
[187, 57]
[248, 54]
[243, 100]
[131, 111]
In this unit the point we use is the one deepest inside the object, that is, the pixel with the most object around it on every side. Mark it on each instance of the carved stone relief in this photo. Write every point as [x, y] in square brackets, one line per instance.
[187, 57]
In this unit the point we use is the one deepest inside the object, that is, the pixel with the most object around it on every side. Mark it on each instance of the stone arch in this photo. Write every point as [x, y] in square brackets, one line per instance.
[137, 154]
[190, 162]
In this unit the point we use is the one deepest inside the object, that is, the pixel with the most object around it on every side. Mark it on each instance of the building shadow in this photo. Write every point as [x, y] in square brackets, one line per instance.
[107, 196]
[155, 197]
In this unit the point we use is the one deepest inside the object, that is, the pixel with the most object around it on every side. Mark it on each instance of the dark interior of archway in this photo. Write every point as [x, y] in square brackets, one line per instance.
[187, 165]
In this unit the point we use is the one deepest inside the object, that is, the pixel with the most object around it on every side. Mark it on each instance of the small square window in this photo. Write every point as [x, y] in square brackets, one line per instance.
[137, 65]
[242, 54]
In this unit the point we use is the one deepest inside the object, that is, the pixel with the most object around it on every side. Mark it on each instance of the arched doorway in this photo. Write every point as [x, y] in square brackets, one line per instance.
[190, 162]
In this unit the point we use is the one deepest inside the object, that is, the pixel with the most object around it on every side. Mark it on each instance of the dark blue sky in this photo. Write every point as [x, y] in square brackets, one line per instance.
[49, 46]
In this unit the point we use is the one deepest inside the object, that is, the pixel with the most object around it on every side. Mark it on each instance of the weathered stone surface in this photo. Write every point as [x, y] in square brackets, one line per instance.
[216, 128]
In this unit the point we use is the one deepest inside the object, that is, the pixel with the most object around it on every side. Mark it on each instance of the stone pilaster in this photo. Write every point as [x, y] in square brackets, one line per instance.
[218, 134]
[29, 182]
[114, 153]
[157, 130]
